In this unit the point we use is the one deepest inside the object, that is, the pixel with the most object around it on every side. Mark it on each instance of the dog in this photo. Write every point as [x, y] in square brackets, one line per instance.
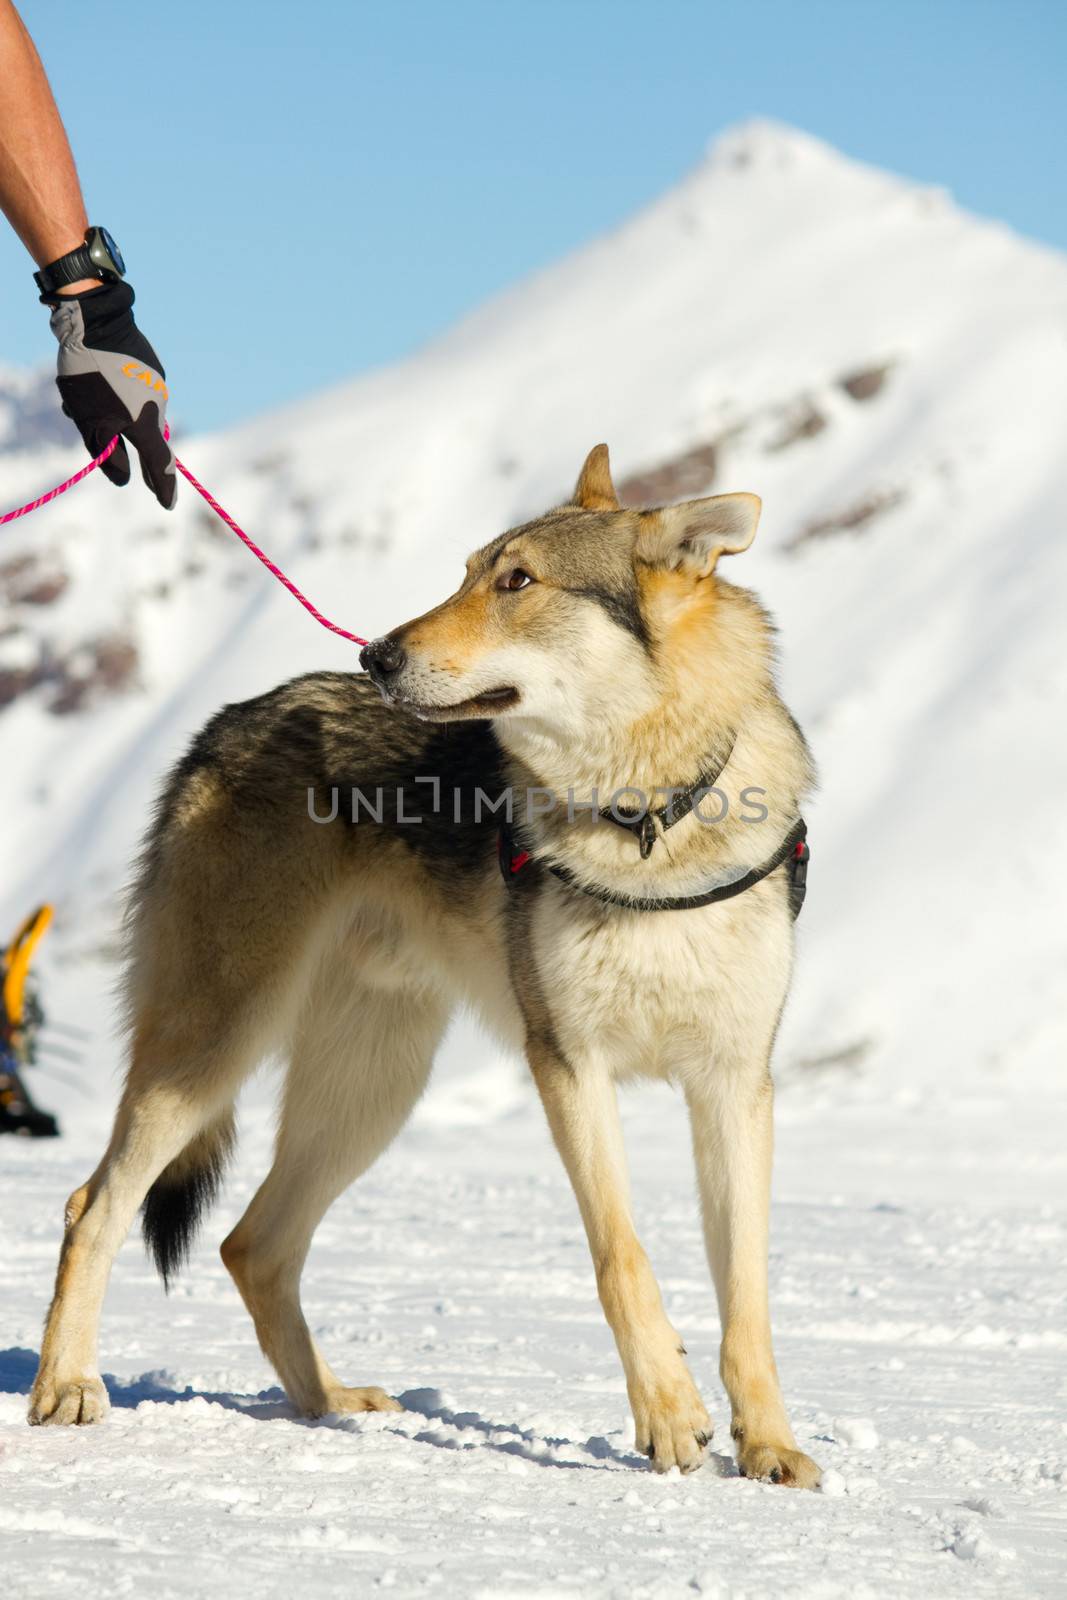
[477, 818]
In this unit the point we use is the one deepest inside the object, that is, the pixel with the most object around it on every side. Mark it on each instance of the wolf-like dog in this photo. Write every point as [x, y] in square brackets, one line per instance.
[287, 900]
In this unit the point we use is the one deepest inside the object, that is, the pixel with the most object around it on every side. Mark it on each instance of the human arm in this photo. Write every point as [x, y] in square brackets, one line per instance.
[110, 379]
[39, 190]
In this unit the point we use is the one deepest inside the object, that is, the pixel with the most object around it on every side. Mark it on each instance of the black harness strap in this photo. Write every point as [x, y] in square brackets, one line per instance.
[794, 849]
[792, 845]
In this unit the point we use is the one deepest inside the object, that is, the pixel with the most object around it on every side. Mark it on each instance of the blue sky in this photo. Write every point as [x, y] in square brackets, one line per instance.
[302, 191]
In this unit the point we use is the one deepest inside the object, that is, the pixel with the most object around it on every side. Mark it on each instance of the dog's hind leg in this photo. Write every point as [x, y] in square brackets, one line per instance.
[203, 1013]
[155, 1121]
[670, 1420]
[360, 1060]
[733, 1137]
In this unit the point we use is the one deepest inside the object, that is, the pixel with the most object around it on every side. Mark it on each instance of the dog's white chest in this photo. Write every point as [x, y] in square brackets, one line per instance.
[655, 992]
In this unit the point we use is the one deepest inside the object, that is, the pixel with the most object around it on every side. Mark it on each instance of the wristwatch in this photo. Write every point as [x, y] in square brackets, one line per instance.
[98, 257]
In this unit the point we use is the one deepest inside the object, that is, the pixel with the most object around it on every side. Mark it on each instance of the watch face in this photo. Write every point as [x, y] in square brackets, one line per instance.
[113, 251]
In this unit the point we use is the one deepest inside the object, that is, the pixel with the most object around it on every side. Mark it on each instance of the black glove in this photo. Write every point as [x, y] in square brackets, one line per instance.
[111, 381]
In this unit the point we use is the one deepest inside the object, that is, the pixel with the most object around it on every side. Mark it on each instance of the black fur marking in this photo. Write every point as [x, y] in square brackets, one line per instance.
[623, 610]
[173, 1208]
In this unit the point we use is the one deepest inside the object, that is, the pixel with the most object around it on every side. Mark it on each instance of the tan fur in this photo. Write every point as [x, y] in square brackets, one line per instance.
[594, 490]
[631, 662]
[670, 1420]
[458, 634]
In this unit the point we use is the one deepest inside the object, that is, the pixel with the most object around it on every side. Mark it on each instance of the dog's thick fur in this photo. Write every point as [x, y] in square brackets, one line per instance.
[593, 649]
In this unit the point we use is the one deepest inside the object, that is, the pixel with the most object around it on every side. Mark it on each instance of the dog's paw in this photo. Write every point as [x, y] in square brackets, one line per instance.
[76, 1401]
[772, 1463]
[672, 1428]
[343, 1400]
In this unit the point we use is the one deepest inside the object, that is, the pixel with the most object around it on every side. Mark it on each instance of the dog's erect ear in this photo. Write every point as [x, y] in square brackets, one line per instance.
[594, 490]
[695, 534]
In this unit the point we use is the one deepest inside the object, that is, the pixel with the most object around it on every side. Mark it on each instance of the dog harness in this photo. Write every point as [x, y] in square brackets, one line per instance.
[792, 850]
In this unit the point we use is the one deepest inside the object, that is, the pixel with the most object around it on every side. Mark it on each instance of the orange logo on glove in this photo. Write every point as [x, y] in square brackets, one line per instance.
[145, 375]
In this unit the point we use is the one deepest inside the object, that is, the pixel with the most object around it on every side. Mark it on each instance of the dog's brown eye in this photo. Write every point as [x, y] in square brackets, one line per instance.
[515, 579]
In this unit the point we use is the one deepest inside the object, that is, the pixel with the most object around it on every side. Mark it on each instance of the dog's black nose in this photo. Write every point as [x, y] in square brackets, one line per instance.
[382, 658]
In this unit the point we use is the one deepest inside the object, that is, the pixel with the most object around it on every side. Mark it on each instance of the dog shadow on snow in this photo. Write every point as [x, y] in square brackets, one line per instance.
[446, 1428]
[18, 1368]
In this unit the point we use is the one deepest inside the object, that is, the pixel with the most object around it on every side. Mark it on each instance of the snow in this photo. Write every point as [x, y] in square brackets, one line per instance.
[917, 1253]
[919, 1331]
[857, 1432]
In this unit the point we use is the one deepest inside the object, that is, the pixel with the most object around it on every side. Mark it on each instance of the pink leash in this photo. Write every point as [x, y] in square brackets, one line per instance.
[249, 544]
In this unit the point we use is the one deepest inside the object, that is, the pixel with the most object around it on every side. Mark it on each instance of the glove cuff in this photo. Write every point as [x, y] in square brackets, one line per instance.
[102, 319]
[114, 296]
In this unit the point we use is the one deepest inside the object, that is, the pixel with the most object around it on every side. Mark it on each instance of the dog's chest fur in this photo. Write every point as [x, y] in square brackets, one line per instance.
[657, 993]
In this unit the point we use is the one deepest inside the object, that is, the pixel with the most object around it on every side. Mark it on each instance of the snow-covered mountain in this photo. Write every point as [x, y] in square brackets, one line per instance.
[30, 414]
[889, 373]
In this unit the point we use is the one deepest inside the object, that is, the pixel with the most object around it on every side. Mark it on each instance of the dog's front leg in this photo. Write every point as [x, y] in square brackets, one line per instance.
[733, 1142]
[670, 1420]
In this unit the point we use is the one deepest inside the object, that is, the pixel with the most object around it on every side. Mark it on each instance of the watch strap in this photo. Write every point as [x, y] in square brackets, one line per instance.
[68, 269]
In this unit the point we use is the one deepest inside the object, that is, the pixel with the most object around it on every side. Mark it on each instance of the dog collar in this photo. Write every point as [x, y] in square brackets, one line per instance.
[678, 807]
[793, 849]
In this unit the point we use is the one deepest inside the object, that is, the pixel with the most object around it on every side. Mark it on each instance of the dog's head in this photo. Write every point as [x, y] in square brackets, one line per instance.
[568, 619]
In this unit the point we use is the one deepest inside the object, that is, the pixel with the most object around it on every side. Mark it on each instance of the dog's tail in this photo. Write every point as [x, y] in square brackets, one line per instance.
[183, 1192]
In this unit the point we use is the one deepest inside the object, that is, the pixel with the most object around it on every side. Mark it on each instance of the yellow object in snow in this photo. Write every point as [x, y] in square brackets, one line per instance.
[16, 964]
